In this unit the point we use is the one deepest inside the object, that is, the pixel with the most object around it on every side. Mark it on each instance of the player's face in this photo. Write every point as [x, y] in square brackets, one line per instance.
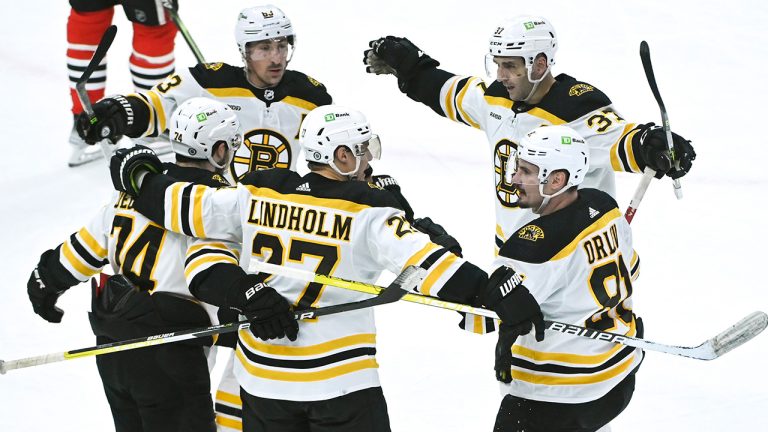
[512, 73]
[266, 61]
[526, 181]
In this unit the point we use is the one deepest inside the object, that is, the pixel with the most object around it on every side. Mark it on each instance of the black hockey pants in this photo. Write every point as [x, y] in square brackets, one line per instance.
[158, 389]
[360, 411]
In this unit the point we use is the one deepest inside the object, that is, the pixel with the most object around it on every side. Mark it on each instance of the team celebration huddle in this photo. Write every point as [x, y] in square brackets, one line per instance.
[279, 269]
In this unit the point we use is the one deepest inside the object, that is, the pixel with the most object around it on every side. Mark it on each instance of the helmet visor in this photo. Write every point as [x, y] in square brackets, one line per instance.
[371, 149]
[276, 49]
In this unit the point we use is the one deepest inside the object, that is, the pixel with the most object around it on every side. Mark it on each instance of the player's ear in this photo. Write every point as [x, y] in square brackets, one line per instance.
[559, 179]
[341, 153]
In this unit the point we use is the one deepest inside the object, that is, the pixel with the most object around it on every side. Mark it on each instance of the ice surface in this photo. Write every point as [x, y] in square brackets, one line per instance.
[701, 257]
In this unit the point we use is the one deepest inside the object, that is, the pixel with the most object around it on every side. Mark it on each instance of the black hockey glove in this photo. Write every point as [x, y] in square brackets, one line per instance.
[269, 313]
[390, 184]
[128, 166]
[438, 235]
[653, 148]
[519, 312]
[396, 55]
[43, 291]
[113, 116]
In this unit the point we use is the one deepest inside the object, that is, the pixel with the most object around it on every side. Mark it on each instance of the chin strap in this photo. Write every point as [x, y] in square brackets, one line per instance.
[546, 197]
[535, 83]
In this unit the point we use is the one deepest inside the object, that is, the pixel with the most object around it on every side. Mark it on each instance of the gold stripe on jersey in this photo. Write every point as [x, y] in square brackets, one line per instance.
[622, 153]
[297, 102]
[229, 423]
[213, 245]
[158, 105]
[536, 378]
[545, 115]
[631, 150]
[76, 262]
[634, 271]
[449, 100]
[436, 271]
[92, 243]
[230, 92]
[151, 122]
[498, 101]
[197, 212]
[208, 259]
[416, 258]
[596, 225]
[228, 398]
[175, 197]
[460, 100]
[284, 350]
[322, 375]
[330, 203]
[580, 359]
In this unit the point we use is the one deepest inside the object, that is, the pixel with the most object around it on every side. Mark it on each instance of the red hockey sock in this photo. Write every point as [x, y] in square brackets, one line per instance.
[84, 31]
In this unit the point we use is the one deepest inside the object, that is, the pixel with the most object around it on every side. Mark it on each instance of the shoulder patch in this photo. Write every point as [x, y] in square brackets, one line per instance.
[220, 179]
[314, 82]
[531, 232]
[213, 66]
[579, 89]
[374, 186]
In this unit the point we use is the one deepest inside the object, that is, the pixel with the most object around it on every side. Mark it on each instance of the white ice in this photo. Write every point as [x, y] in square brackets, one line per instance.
[701, 256]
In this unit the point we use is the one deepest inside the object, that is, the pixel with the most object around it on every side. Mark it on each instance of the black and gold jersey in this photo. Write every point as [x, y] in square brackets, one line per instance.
[270, 117]
[576, 104]
[579, 264]
[348, 229]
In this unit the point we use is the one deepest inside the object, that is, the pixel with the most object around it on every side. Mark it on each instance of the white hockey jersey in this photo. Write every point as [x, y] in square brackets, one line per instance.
[347, 229]
[151, 257]
[575, 104]
[270, 118]
[579, 265]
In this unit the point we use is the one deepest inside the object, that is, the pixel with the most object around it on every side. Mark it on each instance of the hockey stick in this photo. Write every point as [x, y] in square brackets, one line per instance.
[82, 94]
[172, 7]
[731, 338]
[407, 280]
[648, 174]
[645, 57]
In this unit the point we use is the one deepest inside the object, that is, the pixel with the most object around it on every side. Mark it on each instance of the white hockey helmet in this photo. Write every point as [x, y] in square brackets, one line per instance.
[260, 23]
[329, 127]
[198, 124]
[553, 148]
[523, 36]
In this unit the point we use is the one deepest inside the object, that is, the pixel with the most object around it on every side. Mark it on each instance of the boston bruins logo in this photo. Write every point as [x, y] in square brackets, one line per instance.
[261, 149]
[506, 193]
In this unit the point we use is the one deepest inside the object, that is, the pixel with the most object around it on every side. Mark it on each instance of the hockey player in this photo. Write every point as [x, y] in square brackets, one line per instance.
[269, 100]
[151, 60]
[325, 222]
[164, 388]
[574, 263]
[525, 95]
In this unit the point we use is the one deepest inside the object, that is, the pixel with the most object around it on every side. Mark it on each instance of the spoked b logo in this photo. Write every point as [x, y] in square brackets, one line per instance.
[261, 149]
[506, 193]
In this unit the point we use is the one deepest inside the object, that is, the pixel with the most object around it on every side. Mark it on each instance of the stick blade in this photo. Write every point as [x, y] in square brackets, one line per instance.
[739, 334]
